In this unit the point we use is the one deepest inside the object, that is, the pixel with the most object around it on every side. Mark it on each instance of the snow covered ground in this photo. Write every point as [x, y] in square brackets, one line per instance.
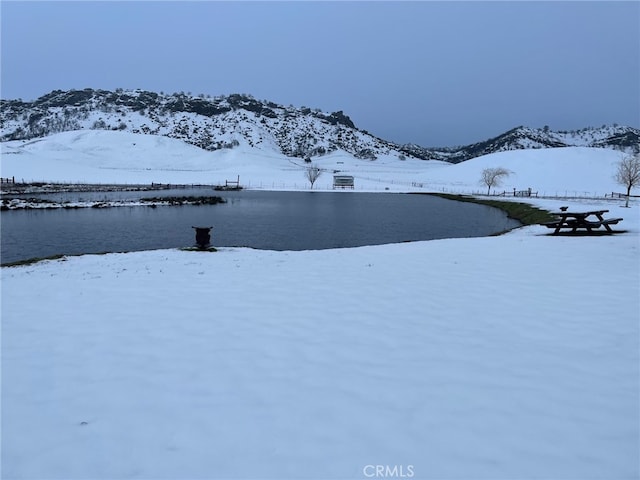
[96, 156]
[487, 358]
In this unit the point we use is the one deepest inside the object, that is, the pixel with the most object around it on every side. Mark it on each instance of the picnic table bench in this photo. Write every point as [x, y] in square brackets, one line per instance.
[580, 221]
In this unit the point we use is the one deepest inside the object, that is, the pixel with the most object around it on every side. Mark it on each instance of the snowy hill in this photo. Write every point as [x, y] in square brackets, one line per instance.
[95, 156]
[625, 139]
[228, 122]
[568, 171]
[88, 156]
[212, 124]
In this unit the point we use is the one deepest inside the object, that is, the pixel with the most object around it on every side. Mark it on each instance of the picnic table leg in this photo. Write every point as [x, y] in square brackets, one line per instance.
[561, 222]
[606, 225]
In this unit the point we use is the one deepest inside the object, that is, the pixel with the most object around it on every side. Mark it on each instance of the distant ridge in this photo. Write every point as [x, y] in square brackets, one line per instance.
[616, 137]
[224, 122]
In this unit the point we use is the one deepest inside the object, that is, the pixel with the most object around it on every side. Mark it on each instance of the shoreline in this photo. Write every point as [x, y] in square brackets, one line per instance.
[526, 213]
[68, 187]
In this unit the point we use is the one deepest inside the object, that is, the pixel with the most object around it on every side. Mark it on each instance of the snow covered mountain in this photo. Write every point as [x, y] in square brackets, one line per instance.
[225, 122]
[209, 123]
[521, 138]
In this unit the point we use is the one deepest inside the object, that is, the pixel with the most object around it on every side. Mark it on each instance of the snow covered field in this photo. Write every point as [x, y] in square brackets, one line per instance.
[96, 156]
[488, 358]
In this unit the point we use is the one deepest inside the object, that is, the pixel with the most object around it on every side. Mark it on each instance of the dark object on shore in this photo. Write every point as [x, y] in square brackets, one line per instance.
[227, 188]
[203, 238]
[229, 185]
[581, 223]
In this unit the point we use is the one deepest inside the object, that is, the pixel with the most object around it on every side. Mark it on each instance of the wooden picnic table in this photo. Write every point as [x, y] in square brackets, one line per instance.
[576, 221]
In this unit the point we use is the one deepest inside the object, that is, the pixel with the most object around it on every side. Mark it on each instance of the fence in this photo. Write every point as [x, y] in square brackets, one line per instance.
[383, 185]
[619, 195]
[519, 193]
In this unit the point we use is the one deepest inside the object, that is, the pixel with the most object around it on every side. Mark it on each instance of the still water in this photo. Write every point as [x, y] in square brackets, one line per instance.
[257, 219]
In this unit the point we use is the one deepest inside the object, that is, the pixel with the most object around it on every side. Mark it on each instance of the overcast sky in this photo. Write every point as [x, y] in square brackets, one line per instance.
[431, 73]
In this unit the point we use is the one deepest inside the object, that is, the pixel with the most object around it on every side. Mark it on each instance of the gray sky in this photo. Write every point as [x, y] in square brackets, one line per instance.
[431, 73]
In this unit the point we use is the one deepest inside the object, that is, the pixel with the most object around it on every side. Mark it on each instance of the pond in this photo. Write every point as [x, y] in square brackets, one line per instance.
[258, 219]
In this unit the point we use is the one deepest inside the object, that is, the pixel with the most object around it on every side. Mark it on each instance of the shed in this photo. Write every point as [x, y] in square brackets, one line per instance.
[342, 181]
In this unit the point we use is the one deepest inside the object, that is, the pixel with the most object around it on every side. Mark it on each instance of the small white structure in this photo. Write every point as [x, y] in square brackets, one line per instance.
[342, 181]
